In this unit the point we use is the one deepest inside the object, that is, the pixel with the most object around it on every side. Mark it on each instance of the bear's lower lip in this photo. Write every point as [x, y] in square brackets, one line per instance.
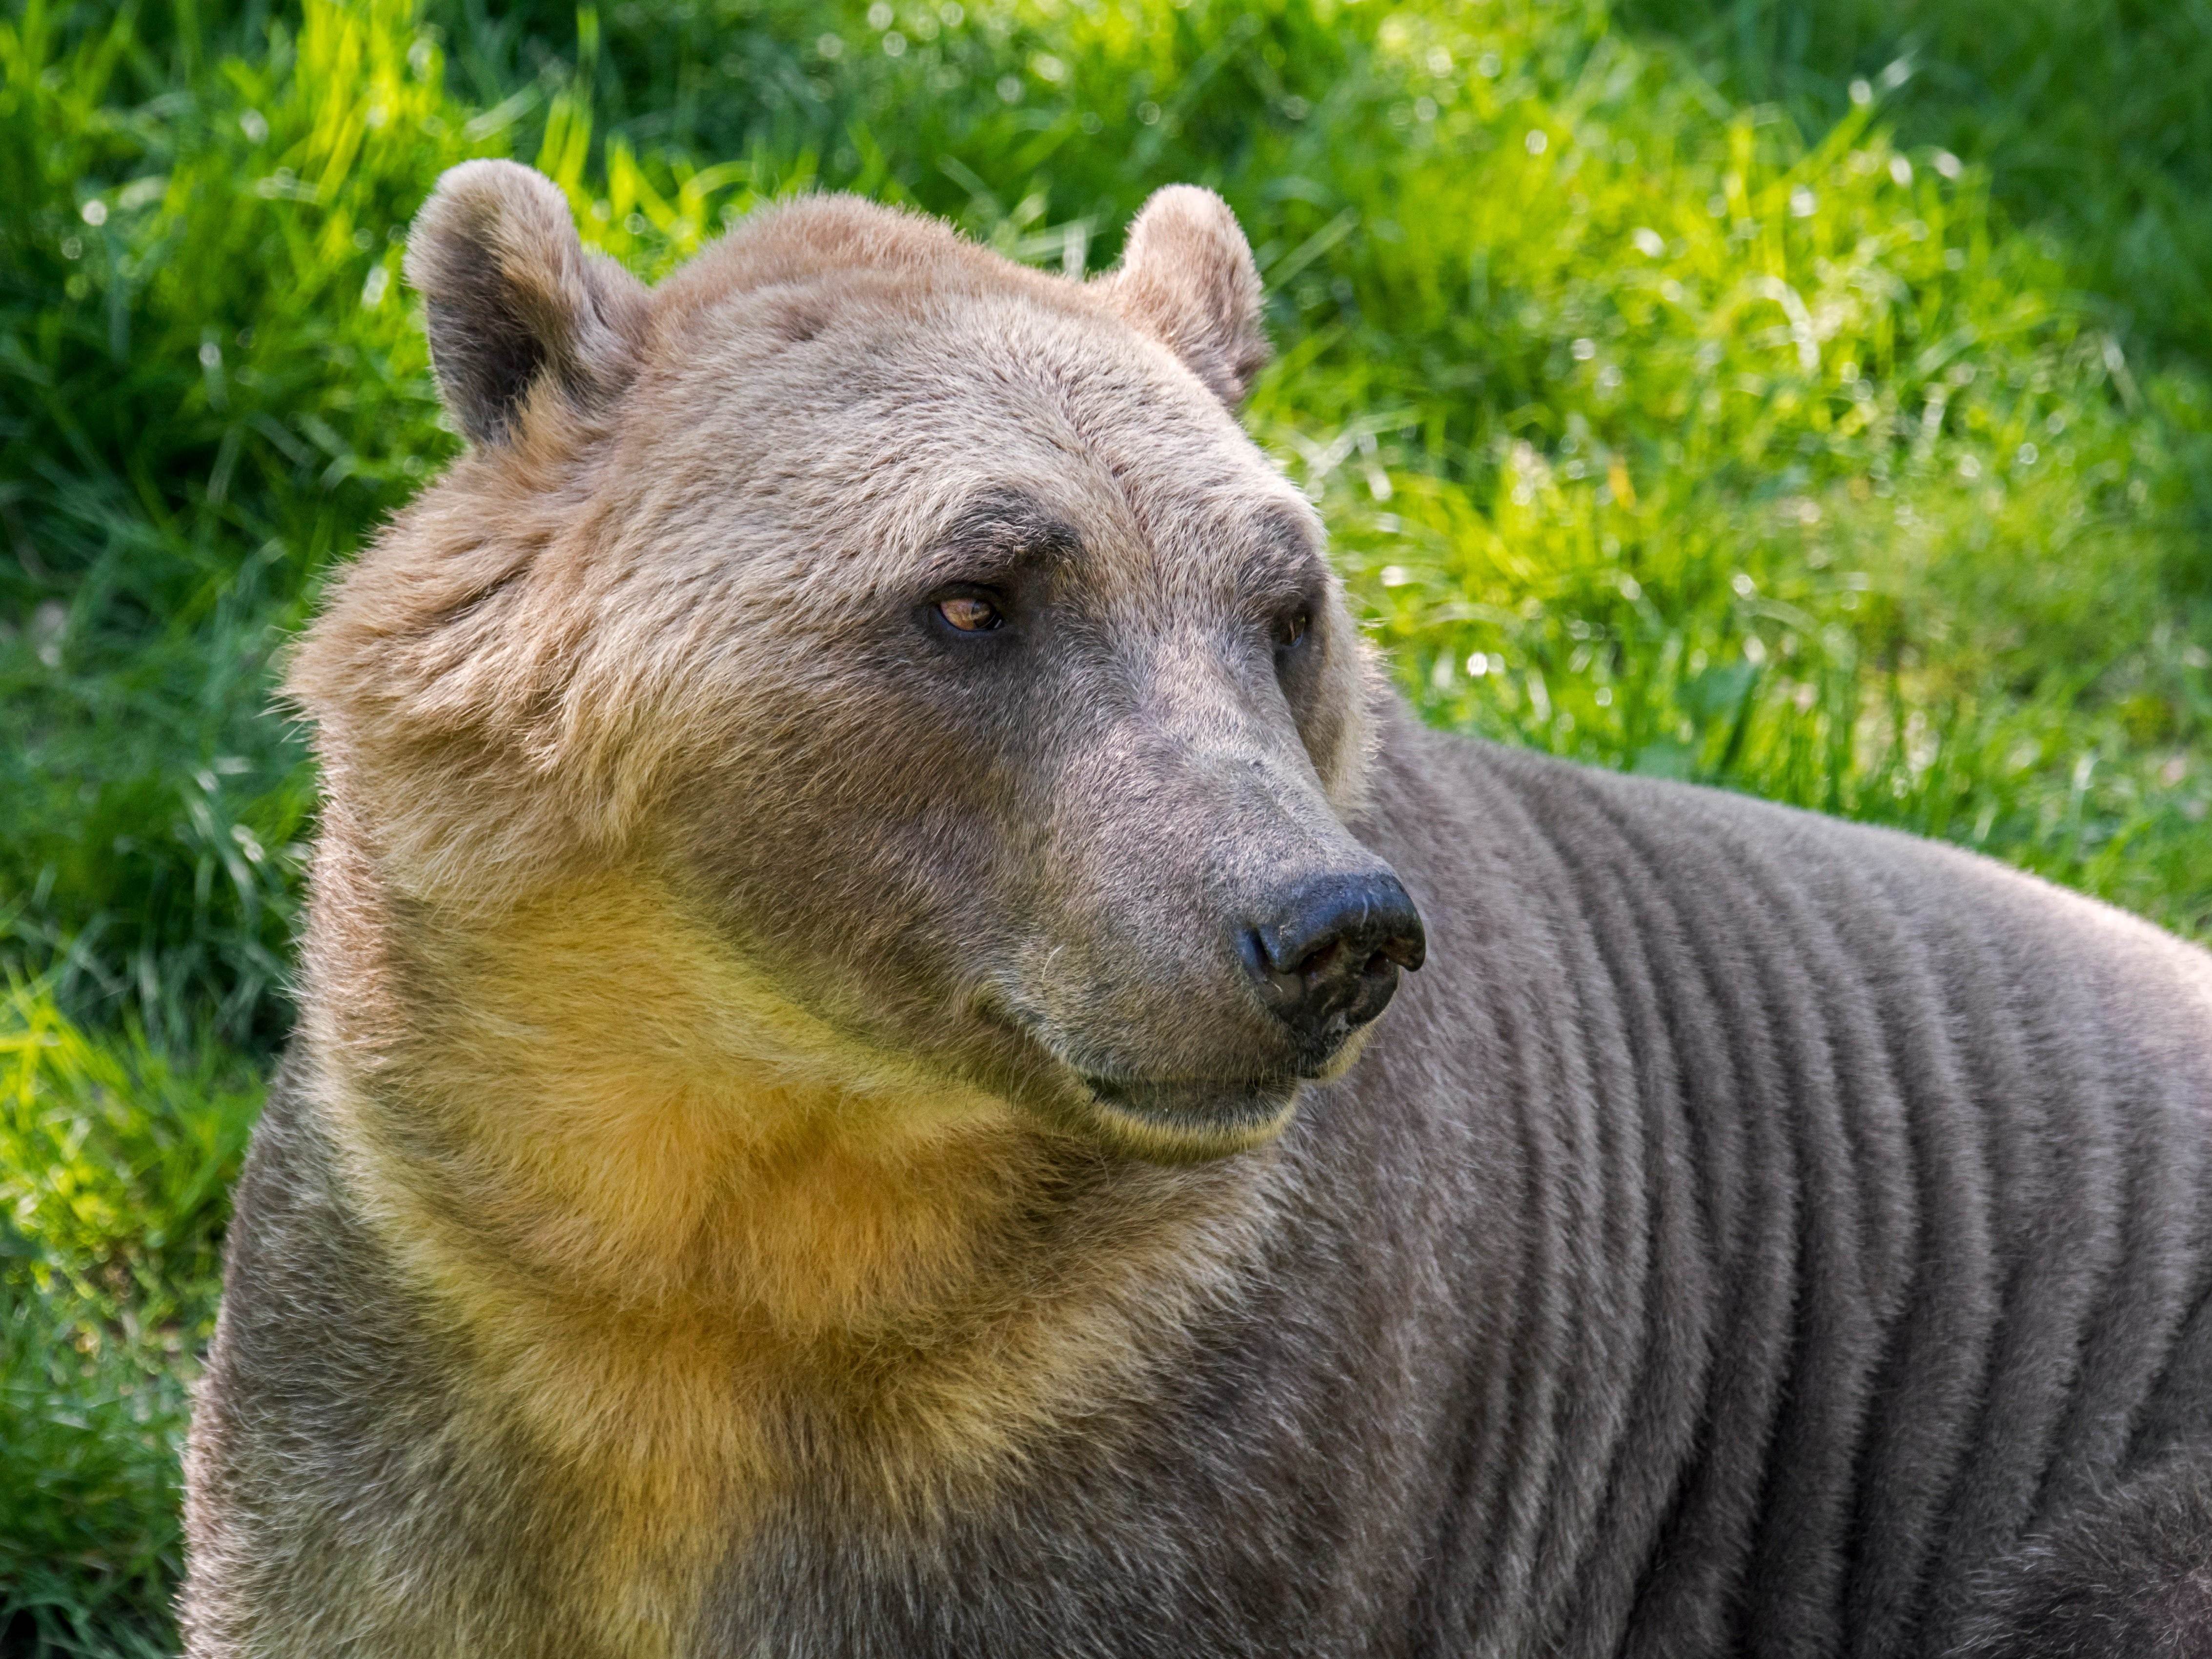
[1179, 1096]
[1172, 1120]
[1194, 1117]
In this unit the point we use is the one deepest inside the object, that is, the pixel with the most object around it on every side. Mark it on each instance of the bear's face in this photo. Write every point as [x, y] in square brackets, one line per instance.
[925, 625]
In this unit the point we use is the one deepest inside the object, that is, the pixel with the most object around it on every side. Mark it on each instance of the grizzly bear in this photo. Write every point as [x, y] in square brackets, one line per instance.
[844, 1102]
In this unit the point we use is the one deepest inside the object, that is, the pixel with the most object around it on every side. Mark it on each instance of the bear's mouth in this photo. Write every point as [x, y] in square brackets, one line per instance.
[1178, 1118]
[1163, 1119]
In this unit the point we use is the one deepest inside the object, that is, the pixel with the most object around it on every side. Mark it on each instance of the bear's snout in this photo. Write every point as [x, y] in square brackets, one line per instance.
[1324, 954]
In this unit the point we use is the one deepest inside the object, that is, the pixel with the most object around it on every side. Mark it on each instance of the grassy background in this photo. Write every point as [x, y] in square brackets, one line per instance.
[1814, 398]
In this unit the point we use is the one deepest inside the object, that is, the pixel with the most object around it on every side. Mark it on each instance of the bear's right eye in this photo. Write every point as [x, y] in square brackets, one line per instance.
[969, 614]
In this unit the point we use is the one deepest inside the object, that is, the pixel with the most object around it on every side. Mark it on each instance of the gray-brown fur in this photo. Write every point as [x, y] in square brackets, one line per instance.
[1747, 1234]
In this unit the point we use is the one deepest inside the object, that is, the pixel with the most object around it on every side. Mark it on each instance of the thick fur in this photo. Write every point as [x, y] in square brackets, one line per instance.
[778, 1158]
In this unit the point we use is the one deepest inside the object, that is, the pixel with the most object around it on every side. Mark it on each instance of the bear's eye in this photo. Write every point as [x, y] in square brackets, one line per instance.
[1290, 629]
[969, 614]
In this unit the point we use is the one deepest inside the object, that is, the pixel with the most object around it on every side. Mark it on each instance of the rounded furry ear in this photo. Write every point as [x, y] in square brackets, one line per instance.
[513, 298]
[1187, 278]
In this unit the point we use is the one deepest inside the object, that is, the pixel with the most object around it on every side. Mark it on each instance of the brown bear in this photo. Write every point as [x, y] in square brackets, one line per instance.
[844, 1102]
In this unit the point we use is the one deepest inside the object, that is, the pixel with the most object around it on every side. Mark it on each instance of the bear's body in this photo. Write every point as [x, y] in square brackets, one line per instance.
[1747, 1234]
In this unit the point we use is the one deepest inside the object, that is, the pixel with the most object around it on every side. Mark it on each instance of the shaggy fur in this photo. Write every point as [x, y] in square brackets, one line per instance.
[781, 1155]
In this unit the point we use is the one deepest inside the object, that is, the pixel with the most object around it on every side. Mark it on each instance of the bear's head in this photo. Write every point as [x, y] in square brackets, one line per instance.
[922, 631]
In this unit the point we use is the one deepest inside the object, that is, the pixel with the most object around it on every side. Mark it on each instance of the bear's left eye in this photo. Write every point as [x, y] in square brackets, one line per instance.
[1291, 628]
[969, 614]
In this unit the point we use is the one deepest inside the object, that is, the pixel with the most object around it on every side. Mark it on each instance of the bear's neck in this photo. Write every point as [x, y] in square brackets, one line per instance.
[697, 1249]
[593, 1096]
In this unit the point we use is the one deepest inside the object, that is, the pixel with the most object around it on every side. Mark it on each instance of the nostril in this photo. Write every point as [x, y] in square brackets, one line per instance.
[1320, 960]
[1409, 948]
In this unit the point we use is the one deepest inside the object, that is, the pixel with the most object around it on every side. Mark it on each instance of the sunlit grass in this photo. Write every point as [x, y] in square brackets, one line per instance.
[114, 1158]
[2088, 116]
[1781, 447]
[1785, 469]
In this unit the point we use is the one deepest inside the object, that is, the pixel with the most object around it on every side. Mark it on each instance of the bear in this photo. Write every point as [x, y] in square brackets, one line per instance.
[905, 1048]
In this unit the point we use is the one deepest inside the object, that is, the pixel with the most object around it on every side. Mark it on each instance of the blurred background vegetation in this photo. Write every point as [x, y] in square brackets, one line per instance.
[1810, 398]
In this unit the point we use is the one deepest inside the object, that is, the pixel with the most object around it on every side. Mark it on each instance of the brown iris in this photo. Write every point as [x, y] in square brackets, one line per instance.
[969, 614]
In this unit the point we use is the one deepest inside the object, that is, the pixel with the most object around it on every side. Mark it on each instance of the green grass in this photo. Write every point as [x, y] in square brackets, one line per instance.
[1677, 404]
[113, 1158]
[2088, 115]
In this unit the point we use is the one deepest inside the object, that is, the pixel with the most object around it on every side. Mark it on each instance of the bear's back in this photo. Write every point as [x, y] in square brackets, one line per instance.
[1876, 1174]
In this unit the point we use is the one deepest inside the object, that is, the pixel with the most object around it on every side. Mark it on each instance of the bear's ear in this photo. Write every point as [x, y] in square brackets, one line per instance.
[513, 298]
[1187, 278]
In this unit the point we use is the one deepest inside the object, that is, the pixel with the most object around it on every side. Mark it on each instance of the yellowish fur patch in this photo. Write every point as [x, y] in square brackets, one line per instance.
[698, 1241]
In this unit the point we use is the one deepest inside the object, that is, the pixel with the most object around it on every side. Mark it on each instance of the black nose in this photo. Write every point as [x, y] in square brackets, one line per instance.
[1327, 956]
